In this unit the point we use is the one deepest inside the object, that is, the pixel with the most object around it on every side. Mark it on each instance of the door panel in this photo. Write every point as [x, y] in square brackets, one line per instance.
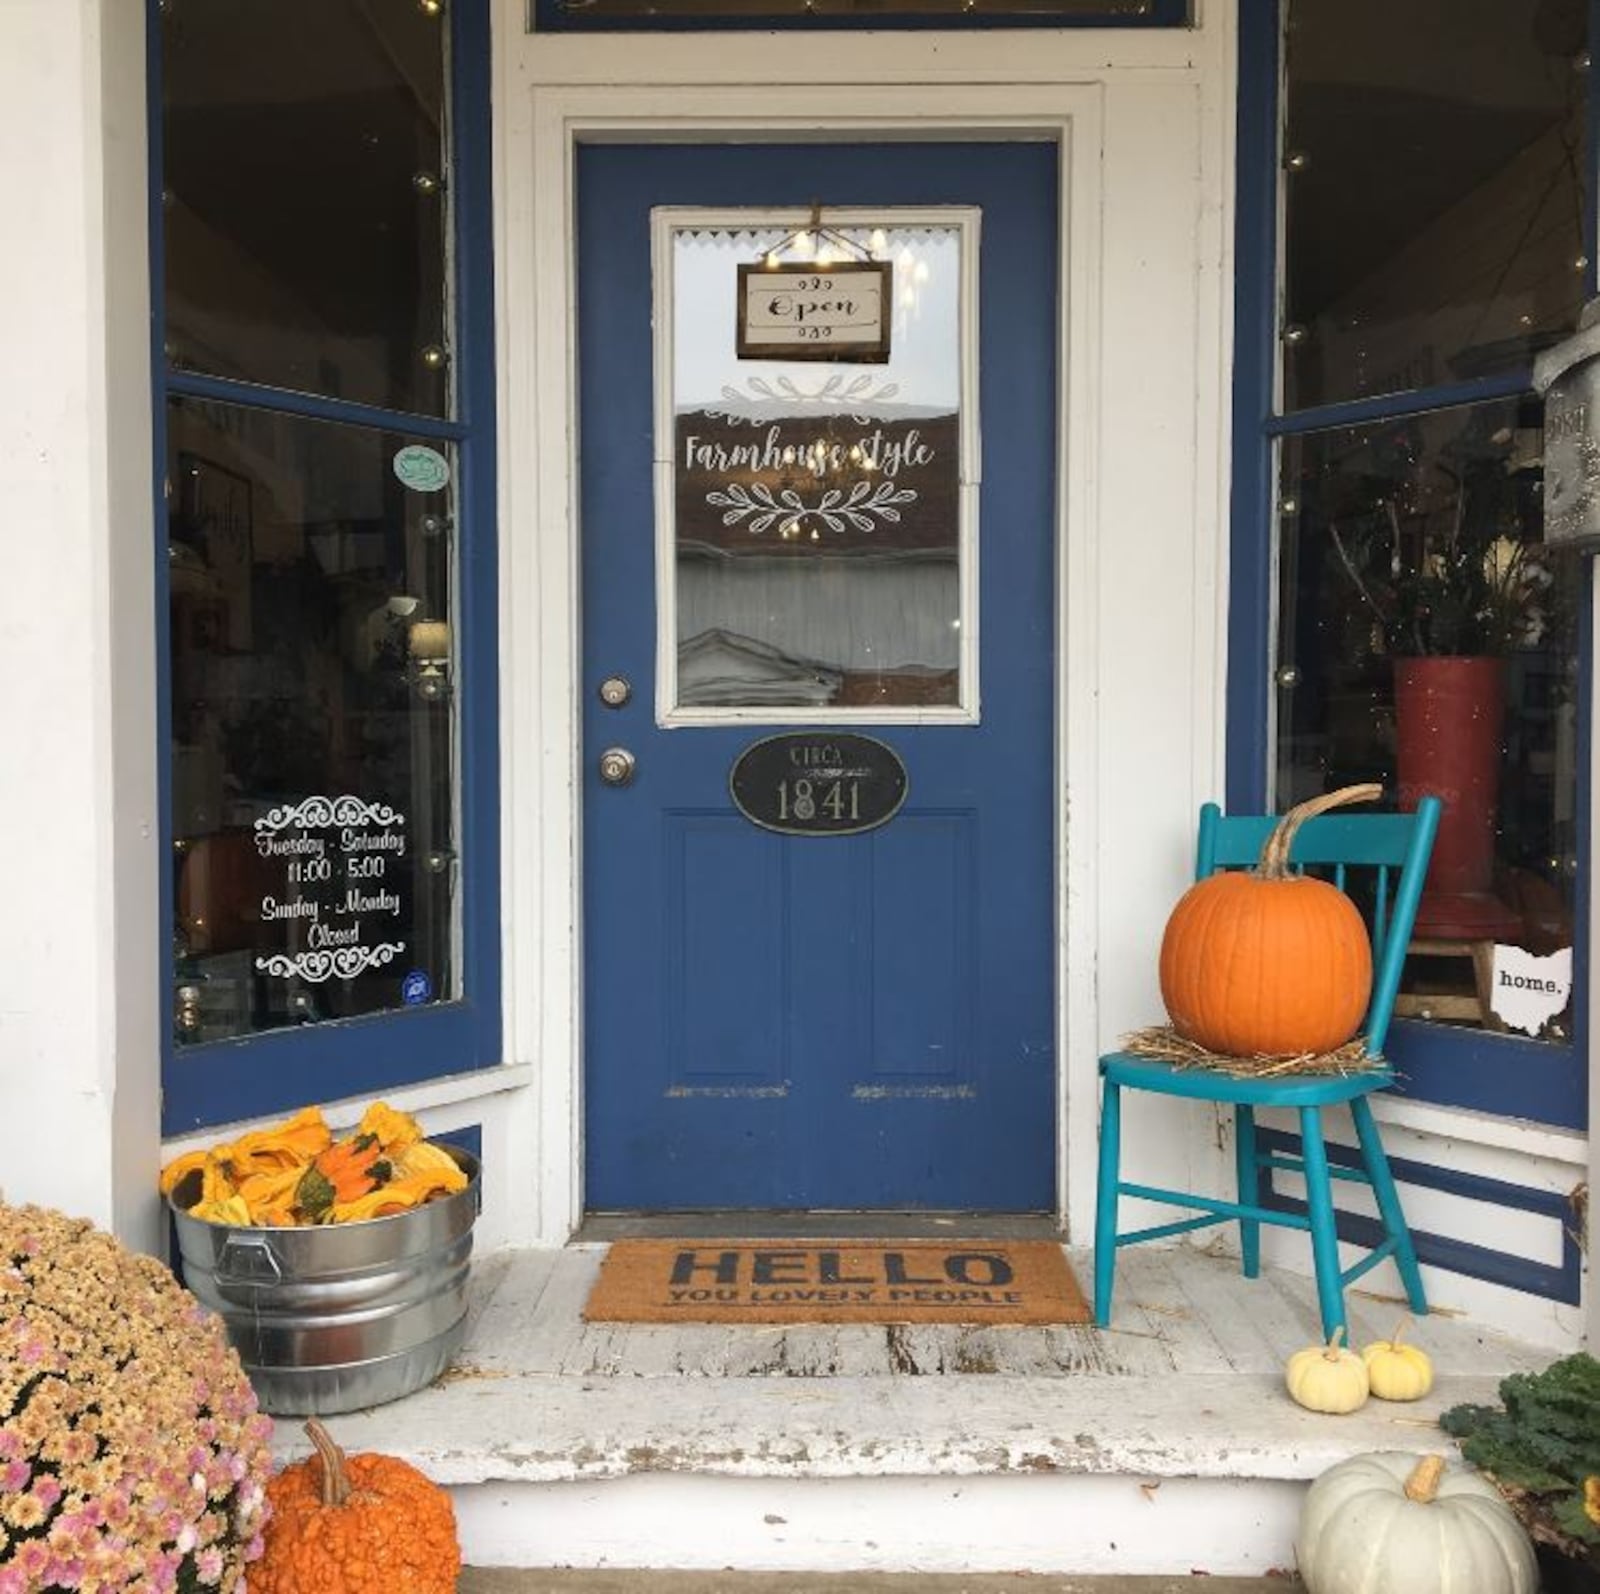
[804, 1022]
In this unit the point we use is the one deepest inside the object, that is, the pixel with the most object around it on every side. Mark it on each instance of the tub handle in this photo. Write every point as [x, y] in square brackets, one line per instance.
[249, 1261]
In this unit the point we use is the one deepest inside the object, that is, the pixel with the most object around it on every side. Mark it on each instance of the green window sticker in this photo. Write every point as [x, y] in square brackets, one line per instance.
[422, 469]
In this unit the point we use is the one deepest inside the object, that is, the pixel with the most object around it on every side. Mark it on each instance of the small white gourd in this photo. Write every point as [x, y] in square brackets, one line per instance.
[1328, 1378]
[1390, 1522]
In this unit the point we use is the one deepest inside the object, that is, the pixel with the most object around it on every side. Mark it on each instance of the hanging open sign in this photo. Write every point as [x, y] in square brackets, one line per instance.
[807, 312]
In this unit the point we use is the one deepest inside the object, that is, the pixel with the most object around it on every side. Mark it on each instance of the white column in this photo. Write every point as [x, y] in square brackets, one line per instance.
[80, 1008]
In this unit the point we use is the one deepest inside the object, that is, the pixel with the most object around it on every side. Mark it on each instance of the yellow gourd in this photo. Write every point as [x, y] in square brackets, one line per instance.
[1396, 1371]
[1328, 1378]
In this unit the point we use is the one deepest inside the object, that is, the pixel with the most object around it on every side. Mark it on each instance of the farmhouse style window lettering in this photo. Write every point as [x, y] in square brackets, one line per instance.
[311, 573]
[1426, 633]
[817, 507]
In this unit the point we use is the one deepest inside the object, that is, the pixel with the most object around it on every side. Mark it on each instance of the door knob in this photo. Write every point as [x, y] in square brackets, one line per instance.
[617, 766]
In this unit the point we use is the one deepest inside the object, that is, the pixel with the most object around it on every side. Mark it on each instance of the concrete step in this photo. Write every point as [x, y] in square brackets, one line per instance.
[503, 1581]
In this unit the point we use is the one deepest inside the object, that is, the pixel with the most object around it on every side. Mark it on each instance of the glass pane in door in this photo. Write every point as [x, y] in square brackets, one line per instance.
[818, 505]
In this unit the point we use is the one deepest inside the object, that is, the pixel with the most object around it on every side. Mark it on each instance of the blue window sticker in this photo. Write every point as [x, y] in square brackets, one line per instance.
[422, 469]
[415, 987]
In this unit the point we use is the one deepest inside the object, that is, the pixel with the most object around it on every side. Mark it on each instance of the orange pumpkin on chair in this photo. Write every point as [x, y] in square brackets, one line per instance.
[1267, 963]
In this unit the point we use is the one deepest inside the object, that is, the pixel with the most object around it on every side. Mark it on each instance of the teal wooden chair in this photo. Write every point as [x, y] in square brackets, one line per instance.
[1395, 848]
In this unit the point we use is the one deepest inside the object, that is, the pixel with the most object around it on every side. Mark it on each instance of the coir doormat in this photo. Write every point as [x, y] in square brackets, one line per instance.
[835, 1281]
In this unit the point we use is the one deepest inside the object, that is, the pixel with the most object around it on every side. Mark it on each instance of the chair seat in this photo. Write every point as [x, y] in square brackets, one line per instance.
[1208, 1084]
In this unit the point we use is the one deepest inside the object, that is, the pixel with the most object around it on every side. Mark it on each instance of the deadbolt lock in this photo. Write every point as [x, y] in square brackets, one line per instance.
[615, 691]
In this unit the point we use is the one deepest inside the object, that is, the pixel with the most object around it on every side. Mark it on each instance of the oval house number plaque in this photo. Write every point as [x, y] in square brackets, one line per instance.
[829, 783]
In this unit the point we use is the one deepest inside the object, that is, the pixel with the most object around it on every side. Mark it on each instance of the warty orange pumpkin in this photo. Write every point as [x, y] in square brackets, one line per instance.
[1266, 963]
[362, 1524]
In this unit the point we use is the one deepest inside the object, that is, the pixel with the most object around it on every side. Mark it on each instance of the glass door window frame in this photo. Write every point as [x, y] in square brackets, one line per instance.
[668, 220]
[276, 1071]
[1494, 1073]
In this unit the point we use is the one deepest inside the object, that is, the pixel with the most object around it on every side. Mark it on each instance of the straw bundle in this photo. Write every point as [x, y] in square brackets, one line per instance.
[1164, 1044]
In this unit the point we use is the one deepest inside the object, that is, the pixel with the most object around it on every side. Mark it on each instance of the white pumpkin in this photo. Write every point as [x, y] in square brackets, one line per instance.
[1395, 1523]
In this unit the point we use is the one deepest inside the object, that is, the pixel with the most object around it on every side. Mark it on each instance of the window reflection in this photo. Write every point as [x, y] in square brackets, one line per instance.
[818, 505]
[1428, 639]
[311, 578]
[1434, 190]
[304, 197]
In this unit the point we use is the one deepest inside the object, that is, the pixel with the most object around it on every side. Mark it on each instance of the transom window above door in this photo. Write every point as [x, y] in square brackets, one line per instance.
[817, 465]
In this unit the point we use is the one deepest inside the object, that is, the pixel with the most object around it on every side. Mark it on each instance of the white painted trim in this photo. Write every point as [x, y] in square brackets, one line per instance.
[665, 221]
[451, 1091]
[84, 1010]
[802, 714]
[1481, 1129]
[1019, 1525]
[988, 57]
[540, 567]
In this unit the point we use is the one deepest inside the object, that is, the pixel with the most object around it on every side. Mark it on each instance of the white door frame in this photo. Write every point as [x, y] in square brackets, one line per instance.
[541, 685]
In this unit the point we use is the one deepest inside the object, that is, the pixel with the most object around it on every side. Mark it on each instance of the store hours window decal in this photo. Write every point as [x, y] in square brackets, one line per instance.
[341, 897]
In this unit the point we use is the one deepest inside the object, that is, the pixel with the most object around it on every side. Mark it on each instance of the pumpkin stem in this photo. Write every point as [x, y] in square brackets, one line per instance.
[335, 1480]
[1423, 1484]
[1274, 864]
[1332, 1352]
[1399, 1329]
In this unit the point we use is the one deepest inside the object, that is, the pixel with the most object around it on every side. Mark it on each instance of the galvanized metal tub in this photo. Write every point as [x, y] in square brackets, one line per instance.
[343, 1315]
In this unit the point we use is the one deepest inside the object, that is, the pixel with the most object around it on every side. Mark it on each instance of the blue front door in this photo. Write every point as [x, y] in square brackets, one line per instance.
[819, 1021]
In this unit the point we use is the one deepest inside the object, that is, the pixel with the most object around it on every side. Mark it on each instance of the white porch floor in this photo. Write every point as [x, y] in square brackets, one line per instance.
[1162, 1444]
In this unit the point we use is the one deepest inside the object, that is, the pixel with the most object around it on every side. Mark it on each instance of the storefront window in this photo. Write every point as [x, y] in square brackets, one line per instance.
[325, 425]
[1434, 193]
[310, 570]
[304, 200]
[1435, 224]
[1427, 639]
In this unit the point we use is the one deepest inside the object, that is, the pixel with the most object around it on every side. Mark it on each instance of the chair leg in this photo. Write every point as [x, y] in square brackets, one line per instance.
[1324, 1236]
[1105, 1213]
[1249, 1186]
[1388, 1198]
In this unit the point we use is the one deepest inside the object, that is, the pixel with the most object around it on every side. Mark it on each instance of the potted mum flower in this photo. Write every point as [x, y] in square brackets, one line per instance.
[132, 1456]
